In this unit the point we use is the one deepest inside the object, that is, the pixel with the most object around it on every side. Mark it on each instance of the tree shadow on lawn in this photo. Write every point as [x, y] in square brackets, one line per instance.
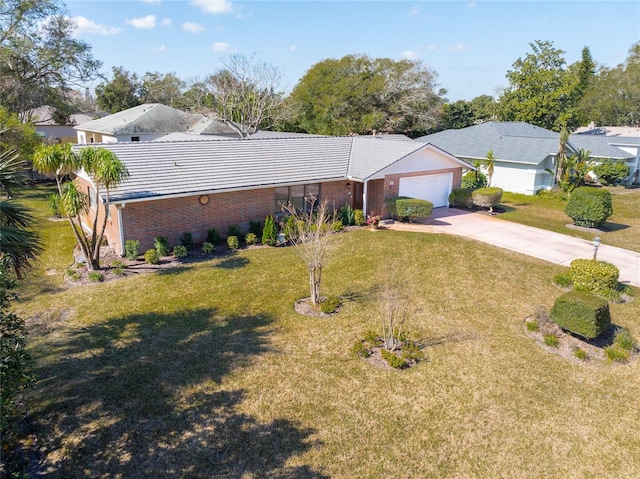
[140, 396]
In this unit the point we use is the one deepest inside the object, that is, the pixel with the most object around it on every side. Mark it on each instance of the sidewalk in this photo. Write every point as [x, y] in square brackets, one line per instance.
[547, 245]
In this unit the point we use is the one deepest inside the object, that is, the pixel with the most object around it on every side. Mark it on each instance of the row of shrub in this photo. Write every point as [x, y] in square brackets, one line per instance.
[482, 197]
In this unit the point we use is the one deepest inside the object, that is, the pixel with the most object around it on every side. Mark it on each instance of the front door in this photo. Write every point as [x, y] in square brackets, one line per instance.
[356, 201]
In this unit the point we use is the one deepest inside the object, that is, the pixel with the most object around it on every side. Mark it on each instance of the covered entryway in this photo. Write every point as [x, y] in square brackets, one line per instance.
[433, 188]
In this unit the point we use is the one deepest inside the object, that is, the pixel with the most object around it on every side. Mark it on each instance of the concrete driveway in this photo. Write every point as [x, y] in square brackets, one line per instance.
[547, 245]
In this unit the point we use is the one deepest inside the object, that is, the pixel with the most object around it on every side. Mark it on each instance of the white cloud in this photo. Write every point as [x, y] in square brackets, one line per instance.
[192, 27]
[213, 6]
[221, 47]
[166, 22]
[89, 26]
[414, 11]
[409, 55]
[144, 23]
[160, 49]
[293, 48]
[460, 47]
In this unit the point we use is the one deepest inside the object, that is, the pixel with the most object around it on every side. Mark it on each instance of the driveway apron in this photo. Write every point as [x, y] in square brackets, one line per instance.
[547, 245]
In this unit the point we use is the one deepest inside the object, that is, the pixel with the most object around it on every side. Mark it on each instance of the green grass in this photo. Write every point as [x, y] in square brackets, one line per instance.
[622, 229]
[207, 371]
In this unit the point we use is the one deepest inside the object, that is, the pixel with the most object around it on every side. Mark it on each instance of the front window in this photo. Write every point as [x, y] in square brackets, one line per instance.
[298, 196]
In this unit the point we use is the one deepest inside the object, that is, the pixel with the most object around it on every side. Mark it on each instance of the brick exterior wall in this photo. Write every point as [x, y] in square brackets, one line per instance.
[375, 196]
[171, 217]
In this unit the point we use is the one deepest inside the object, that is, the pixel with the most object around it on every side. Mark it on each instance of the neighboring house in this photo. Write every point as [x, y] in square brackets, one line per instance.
[624, 131]
[153, 121]
[45, 125]
[524, 154]
[191, 186]
[614, 147]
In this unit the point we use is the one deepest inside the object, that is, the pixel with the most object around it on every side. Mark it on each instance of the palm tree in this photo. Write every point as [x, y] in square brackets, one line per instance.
[490, 163]
[106, 171]
[562, 156]
[20, 244]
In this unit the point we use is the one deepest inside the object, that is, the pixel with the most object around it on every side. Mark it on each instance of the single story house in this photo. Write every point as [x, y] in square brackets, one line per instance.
[152, 121]
[191, 186]
[46, 126]
[602, 147]
[524, 154]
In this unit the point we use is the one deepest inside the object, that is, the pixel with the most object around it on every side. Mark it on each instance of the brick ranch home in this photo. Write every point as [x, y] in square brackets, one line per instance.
[191, 186]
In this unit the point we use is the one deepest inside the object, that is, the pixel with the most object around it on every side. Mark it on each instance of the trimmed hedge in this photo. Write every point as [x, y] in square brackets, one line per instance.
[408, 209]
[581, 313]
[589, 207]
[487, 197]
[461, 198]
[593, 275]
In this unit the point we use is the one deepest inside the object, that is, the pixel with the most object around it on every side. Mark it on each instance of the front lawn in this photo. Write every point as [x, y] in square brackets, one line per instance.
[622, 229]
[207, 371]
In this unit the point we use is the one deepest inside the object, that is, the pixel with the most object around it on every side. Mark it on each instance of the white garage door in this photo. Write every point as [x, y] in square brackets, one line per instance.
[434, 188]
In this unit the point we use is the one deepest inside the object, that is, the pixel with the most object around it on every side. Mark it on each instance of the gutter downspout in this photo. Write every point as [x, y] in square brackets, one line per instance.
[364, 198]
[120, 228]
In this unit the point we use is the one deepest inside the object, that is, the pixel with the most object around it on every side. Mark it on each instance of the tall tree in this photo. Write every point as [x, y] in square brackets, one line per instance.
[119, 93]
[40, 61]
[613, 96]
[357, 94]
[165, 88]
[106, 171]
[247, 93]
[541, 90]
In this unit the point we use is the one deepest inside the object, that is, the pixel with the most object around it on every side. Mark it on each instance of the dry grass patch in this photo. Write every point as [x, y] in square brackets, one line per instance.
[209, 372]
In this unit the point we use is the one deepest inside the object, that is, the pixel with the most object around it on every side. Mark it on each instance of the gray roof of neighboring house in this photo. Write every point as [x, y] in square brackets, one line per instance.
[510, 141]
[43, 116]
[147, 118]
[160, 169]
[604, 146]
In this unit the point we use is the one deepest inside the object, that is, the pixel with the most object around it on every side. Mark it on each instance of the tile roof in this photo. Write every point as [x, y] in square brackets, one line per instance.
[160, 169]
[510, 141]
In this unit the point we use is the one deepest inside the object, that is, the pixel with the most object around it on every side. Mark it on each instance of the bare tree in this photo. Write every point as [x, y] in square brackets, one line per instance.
[392, 307]
[311, 233]
[248, 93]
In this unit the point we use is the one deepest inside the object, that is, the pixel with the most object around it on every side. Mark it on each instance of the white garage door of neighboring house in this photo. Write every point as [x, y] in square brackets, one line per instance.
[434, 188]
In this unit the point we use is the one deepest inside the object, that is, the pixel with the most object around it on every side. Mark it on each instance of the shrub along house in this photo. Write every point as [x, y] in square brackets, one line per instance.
[191, 186]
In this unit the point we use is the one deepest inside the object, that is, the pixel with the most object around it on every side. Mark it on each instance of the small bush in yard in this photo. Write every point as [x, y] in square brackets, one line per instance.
[117, 268]
[358, 350]
[563, 280]
[487, 197]
[408, 209]
[96, 276]
[250, 238]
[255, 227]
[589, 207]
[474, 180]
[208, 248]
[593, 275]
[358, 217]
[233, 242]
[347, 215]
[179, 251]
[132, 249]
[581, 313]
[461, 198]
[624, 340]
[330, 304]
[161, 244]
[213, 236]
[532, 326]
[392, 359]
[269, 232]
[372, 338]
[186, 240]
[551, 340]
[580, 354]
[151, 256]
[411, 351]
[55, 205]
[611, 172]
[616, 354]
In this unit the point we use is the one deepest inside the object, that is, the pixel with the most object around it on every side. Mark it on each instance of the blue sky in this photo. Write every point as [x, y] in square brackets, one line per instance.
[469, 44]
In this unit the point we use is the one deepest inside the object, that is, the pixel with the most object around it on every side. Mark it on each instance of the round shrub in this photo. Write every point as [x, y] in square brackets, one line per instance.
[151, 256]
[589, 207]
[233, 242]
[408, 209]
[461, 198]
[474, 180]
[594, 275]
[611, 172]
[132, 249]
[161, 244]
[180, 251]
[250, 238]
[581, 313]
[358, 216]
[487, 197]
[208, 248]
